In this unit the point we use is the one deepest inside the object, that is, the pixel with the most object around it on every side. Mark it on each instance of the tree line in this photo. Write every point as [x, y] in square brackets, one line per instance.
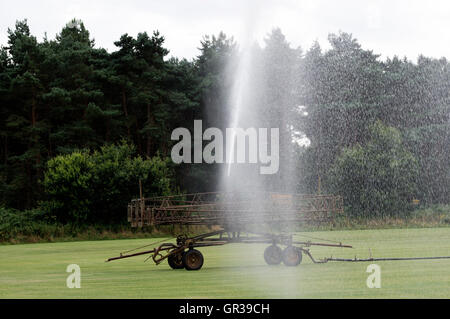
[377, 131]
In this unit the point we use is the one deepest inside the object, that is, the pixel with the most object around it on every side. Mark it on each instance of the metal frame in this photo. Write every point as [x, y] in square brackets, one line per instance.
[232, 212]
[184, 243]
[228, 209]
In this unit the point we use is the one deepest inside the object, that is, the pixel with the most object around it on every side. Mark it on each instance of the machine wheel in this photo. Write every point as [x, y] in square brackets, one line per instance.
[176, 260]
[193, 259]
[292, 256]
[273, 255]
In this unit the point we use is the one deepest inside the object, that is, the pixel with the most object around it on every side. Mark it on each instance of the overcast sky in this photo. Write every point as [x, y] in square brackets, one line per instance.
[395, 27]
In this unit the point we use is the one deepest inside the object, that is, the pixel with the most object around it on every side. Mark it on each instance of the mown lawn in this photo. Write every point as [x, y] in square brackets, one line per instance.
[234, 270]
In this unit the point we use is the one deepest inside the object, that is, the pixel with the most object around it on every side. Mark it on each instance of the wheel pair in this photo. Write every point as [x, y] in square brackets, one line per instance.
[290, 256]
[190, 260]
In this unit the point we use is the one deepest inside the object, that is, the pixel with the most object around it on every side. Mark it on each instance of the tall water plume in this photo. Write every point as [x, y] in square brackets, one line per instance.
[261, 98]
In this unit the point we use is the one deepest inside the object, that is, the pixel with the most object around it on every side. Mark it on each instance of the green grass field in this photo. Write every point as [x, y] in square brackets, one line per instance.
[234, 270]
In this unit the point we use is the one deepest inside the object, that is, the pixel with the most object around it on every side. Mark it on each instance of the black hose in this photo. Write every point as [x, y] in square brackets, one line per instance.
[385, 259]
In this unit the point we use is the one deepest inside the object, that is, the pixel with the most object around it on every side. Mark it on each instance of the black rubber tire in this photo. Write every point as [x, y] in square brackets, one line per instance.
[175, 261]
[193, 259]
[292, 256]
[273, 255]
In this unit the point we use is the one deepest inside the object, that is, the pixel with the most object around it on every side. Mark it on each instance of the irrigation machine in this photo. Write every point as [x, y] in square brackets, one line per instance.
[233, 218]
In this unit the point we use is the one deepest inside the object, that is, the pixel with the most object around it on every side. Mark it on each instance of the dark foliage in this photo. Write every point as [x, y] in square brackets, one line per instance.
[62, 100]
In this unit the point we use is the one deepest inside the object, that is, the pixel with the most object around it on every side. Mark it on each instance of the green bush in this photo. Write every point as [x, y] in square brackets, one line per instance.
[11, 218]
[34, 226]
[378, 178]
[440, 213]
[15, 223]
[95, 187]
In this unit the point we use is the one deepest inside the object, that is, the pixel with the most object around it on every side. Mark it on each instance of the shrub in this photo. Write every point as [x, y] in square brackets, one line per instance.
[439, 213]
[378, 178]
[15, 223]
[96, 186]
